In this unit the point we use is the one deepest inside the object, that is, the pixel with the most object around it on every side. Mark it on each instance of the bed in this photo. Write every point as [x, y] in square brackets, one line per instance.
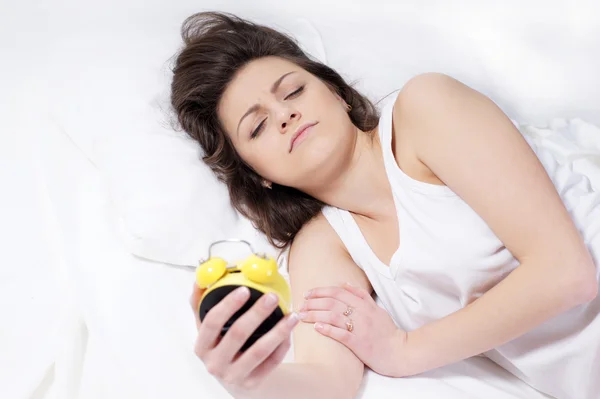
[116, 234]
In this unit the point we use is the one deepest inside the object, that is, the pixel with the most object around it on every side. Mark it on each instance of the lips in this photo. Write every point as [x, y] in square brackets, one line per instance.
[300, 130]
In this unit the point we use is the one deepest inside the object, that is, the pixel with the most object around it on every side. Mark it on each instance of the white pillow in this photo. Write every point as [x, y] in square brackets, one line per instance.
[109, 92]
[170, 204]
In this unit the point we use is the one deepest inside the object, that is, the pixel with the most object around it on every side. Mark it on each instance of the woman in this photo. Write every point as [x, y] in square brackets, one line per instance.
[431, 205]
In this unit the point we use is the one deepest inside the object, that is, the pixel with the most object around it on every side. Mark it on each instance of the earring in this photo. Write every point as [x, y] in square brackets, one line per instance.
[266, 184]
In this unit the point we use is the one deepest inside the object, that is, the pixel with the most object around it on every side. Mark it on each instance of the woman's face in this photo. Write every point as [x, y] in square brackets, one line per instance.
[265, 106]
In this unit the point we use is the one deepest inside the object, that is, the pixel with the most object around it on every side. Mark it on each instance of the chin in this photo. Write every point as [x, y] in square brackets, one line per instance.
[323, 160]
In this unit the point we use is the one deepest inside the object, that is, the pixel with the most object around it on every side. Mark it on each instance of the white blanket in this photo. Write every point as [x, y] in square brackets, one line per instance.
[83, 318]
[129, 331]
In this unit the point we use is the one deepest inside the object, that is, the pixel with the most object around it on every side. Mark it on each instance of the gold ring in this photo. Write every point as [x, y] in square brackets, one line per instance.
[349, 325]
[348, 311]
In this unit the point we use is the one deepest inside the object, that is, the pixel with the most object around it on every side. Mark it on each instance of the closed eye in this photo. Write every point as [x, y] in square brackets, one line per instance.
[295, 93]
[258, 129]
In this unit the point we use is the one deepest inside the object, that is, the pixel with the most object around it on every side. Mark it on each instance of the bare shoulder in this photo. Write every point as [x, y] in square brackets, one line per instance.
[317, 234]
[425, 85]
[317, 247]
[425, 99]
[412, 110]
[430, 103]
[424, 93]
[313, 232]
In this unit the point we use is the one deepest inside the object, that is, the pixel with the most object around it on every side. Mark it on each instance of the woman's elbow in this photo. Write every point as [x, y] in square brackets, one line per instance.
[589, 290]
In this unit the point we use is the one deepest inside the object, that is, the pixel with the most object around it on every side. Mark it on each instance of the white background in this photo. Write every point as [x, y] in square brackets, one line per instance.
[562, 32]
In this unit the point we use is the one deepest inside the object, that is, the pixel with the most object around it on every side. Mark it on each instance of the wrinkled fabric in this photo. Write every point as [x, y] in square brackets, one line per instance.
[448, 257]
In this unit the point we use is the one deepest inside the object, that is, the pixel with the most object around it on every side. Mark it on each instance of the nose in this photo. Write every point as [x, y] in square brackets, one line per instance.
[288, 116]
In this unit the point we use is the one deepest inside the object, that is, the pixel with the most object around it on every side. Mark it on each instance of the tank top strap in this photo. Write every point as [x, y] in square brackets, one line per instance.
[400, 181]
[385, 129]
[346, 228]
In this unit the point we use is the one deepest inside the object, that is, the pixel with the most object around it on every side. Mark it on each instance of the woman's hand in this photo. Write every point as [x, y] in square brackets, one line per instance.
[349, 315]
[240, 372]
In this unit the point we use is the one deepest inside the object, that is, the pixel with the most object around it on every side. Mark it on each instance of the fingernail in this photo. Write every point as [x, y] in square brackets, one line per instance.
[302, 315]
[318, 326]
[293, 319]
[270, 300]
[307, 294]
[242, 292]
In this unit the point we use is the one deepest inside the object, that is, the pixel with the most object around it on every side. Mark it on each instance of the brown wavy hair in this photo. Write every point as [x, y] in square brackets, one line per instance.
[216, 46]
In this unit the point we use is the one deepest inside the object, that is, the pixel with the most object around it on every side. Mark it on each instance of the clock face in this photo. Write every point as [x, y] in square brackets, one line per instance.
[216, 295]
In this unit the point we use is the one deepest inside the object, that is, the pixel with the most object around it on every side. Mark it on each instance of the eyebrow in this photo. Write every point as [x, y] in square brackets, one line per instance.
[255, 107]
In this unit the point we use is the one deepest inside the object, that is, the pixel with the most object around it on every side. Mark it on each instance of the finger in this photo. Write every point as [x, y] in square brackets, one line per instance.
[264, 347]
[338, 293]
[270, 363]
[195, 302]
[324, 316]
[341, 335]
[200, 347]
[244, 326]
[358, 291]
[197, 321]
[197, 293]
[217, 316]
[323, 304]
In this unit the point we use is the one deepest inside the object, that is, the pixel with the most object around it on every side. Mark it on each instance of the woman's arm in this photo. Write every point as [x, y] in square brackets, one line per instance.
[323, 368]
[470, 145]
[299, 381]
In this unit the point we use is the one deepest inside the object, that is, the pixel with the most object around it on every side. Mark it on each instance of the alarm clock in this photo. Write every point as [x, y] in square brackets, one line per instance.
[218, 277]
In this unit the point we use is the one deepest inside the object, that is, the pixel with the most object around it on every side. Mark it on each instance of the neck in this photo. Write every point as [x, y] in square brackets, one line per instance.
[362, 186]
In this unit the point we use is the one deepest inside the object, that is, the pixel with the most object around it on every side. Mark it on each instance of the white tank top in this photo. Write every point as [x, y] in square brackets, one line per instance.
[448, 257]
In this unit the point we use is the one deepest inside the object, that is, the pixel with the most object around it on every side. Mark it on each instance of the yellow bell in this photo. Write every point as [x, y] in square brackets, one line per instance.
[258, 269]
[210, 271]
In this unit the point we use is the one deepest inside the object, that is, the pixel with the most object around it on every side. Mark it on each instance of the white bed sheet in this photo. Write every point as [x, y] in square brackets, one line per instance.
[130, 331]
[100, 323]
[29, 301]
